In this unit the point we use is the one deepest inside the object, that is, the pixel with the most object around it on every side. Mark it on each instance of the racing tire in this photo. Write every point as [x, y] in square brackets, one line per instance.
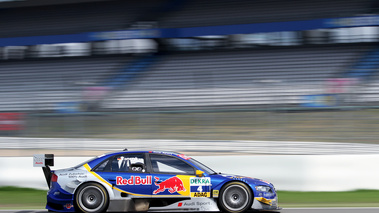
[91, 198]
[235, 197]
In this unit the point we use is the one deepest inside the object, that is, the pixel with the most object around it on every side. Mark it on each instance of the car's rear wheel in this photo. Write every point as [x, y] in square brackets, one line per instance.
[235, 197]
[91, 198]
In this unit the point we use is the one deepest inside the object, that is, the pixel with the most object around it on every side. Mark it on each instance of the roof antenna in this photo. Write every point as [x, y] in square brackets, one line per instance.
[125, 149]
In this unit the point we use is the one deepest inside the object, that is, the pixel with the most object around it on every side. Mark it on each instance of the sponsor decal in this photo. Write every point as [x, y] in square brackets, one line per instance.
[185, 157]
[203, 206]
[207, 206]
[77, 175]
[134, 180]
[39, 160]
[215, 193]
[201, 194]
[196, 181]
[189, 204]
[200, 186]
[88, 168]
[132, 159]
[68, 206]
[172, 184]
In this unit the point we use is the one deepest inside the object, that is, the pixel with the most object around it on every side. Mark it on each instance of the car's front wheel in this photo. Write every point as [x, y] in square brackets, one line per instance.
[91, 198]
[235, 197]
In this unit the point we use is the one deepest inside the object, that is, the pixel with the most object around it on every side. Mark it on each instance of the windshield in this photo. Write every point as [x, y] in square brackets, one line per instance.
[202, 167]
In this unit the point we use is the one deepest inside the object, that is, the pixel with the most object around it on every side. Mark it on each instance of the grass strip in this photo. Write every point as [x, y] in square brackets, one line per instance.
[26, 198]
[358, 198]
[22, 198]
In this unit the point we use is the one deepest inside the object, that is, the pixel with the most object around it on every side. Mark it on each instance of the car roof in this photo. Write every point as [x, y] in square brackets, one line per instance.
[167, 153]
[142, 151]
[96, 160]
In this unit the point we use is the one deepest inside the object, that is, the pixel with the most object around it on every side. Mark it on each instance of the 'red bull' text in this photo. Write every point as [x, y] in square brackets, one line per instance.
[134, 180]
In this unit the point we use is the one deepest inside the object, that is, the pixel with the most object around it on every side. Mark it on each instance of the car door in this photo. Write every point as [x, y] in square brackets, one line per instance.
[171, 176]
[127, 174]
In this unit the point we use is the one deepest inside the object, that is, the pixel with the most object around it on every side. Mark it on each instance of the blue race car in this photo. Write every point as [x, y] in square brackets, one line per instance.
[151, 181]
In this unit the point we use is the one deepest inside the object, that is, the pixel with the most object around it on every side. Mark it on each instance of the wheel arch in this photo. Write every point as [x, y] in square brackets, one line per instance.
[239, 181]
[109, 190]
[225, 184]
[75, 193]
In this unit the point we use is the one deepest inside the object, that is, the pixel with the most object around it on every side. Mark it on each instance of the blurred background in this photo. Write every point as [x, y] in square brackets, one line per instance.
[109, 74]
[284, 90]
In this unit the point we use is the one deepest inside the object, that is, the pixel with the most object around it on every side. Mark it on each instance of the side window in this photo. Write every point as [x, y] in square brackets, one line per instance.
[128, 163]
[103, 167]
[168, 164]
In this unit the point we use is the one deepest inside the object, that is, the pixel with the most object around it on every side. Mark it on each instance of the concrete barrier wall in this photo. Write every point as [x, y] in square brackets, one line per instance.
[286, 172]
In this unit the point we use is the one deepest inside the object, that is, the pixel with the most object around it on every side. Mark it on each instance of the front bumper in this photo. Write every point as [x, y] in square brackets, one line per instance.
[261, 203]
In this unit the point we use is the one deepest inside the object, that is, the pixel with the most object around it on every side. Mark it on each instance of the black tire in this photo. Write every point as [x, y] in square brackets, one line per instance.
[235, 197]
[91, 198]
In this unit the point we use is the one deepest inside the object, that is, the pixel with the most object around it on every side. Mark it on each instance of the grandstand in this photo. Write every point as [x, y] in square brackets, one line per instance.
[247, 77]
[117, 14]
[214, 12]
[216, 54]
[41, 84]
[71, 18]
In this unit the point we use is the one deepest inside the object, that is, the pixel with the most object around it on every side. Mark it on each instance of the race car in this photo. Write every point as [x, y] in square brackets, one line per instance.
[134, 181]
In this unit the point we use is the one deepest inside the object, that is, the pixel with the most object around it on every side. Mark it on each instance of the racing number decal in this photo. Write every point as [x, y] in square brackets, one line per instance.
[200, 186]
[183, 185]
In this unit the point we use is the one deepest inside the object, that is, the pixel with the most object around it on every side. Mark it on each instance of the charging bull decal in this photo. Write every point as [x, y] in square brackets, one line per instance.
[173, 184]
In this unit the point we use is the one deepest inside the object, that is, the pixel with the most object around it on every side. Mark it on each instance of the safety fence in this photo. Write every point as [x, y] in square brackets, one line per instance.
[286, 172]
[81, 147]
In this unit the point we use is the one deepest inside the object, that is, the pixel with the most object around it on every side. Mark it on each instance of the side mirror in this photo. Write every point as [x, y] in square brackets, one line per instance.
[199, 173]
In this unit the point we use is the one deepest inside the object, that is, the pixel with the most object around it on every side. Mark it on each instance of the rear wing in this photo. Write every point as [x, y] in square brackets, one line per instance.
[44, 161]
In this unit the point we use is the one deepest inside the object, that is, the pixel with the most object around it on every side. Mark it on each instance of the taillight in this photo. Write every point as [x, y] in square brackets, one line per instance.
[54, 178]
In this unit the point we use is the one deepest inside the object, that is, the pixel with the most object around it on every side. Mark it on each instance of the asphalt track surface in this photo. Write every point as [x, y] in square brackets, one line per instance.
[286, 210]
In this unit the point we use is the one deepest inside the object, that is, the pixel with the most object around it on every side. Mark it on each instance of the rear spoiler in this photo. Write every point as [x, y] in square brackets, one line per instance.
[44, 161]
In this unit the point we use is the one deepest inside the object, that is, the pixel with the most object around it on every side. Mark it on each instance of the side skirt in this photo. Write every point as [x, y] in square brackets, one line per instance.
[128, 205]
[193, 204]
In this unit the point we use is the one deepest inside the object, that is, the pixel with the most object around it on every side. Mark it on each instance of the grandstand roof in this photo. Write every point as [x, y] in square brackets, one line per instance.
[29, 3]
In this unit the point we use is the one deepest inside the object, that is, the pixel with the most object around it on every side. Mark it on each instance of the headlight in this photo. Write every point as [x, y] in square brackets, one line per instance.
[263, 188]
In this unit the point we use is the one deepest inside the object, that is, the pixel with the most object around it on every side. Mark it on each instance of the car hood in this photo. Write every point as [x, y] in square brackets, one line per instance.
[249, 180]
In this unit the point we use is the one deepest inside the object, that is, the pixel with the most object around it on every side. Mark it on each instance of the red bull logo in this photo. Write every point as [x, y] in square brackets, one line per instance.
[68, 206]
[173, 184]
[137, 180]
